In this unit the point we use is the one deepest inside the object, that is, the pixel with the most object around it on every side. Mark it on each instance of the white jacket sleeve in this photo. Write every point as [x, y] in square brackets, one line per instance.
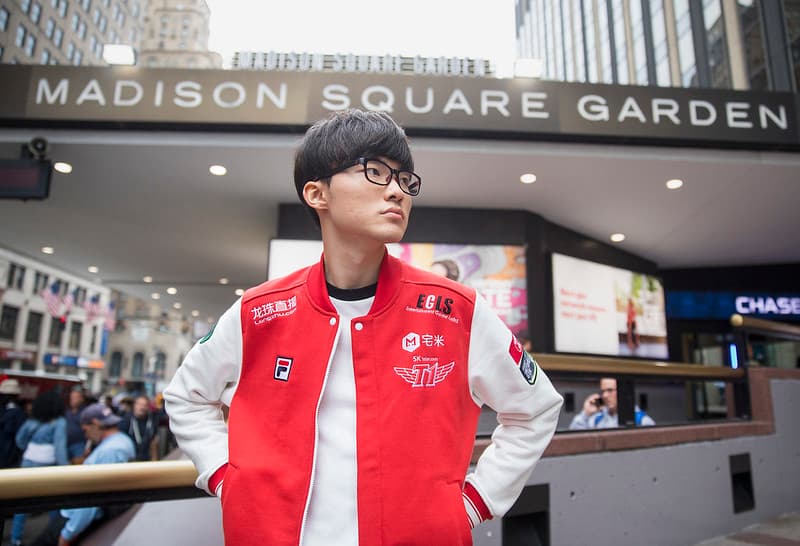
[527, 409]
[201, 386]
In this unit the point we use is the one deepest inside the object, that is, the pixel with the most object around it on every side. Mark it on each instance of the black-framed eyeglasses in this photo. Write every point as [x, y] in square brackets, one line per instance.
[378, 172]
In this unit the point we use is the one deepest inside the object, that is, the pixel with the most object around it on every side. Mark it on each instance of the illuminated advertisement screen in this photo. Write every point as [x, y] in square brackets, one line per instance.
[604, 310]
[496, 272]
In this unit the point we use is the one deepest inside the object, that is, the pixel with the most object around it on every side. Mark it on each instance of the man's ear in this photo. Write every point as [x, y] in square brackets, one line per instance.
[316, 195]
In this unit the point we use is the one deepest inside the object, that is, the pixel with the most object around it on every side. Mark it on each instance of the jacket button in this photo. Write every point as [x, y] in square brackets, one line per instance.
[359, 326]
[333, 321]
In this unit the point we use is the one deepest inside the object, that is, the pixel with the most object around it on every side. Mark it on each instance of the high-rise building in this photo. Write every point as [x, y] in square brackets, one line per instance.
[67, 31]
[177, 35]
[724, 44]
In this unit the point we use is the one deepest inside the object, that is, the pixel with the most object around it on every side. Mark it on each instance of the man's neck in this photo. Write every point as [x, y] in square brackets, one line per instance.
[349, 268]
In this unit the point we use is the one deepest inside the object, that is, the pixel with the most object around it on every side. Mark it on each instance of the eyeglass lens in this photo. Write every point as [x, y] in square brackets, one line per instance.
[380, 173]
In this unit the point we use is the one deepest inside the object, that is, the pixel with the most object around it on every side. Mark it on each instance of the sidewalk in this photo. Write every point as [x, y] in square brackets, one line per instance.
[781, 531]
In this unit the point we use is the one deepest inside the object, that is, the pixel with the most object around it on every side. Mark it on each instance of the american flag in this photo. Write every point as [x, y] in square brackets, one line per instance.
[92, 307]
[111, 319]
[69, 299]
[52, 298]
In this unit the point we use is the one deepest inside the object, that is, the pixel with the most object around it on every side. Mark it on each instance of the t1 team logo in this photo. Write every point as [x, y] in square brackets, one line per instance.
[425, 375]
[411, 342]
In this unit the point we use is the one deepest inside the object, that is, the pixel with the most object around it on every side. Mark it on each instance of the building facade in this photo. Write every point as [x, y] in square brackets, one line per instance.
[63, 335]
[67, 32]
[723, 44]
[146, 347]
[177, 35]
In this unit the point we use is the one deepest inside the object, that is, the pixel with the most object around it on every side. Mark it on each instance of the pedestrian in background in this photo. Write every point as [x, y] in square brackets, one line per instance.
[11, 418]
[43, 441]
[76, 440]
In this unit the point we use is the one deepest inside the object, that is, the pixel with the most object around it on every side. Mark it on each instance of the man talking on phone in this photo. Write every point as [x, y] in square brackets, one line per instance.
[600, 410]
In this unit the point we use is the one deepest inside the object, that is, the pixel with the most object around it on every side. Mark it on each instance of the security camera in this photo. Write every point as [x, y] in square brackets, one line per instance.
[38, 147]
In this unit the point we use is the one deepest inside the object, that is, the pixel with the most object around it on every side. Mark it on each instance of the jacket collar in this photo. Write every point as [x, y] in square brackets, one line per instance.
[389, 279]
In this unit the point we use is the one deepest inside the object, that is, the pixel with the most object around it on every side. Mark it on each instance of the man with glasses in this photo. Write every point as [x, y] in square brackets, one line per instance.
[355, 384]
[600, 409]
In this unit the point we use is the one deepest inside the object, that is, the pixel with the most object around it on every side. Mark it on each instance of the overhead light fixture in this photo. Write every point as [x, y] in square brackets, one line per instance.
[177, 305]
[120, 54]
[93, 269]
[224, 280]
[239, 292]
[155, 296]
[527, 178]
[172, 290]
[148, 279]
[617, 237]
[195, 313]
[528, 68]
[218, 170]
[674, 183]
[48, 250]
[62, 167]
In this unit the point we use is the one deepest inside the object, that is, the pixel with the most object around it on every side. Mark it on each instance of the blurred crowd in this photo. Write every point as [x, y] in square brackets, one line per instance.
[62, 427]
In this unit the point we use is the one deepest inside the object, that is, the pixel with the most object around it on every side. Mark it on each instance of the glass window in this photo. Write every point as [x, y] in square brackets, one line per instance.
[2, 50]
[54, 339]
[30, 45]
[25, 5]
[3, 19]
[121, 19]
[54, 3]
[115, 369]
[161, 365]
[135, 10]
[103, 24]
[63, 5]
[620, 42]
[75, 330]
[86, 5]
[93, 341]
[106, 3]
[112, 37]
[660, 47]
[82, 30]
[639, 48]
[93, 43]
[58, 36]
[49, 27]
[137, 369]
[791, 8]
[115, 11]
[78, 58]
[15, 276]
[36, 12]
[70, 51]
[577, 24]
[753, 43]
[39, 279]
[96, 15]
[605, 41]
[75, 22]
[717, 47]
[45, 56]
[588, 32]
[683, 30]
[8, 321]
[34, 328]
[19, 41]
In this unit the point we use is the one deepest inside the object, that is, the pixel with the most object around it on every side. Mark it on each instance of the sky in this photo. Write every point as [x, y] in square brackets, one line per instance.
[430, 28]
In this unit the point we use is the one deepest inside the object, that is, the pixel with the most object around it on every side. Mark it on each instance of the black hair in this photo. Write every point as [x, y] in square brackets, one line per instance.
[47, 406]
[343, 137]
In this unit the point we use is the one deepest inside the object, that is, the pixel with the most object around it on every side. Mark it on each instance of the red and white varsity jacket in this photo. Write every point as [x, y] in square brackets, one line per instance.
[417, 406]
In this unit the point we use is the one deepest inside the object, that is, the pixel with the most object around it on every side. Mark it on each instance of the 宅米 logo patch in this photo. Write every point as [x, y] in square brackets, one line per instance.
[283, 365]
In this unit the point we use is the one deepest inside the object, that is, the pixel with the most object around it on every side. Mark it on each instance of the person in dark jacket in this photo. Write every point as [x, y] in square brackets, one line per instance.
[11, 418]
[142, 426]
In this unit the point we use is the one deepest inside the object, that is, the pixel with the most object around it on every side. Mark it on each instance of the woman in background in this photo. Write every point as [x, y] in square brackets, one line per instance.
[43, 441]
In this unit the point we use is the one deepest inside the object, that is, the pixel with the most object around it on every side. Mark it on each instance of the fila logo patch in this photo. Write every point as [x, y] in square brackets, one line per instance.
[283, 365]
[424, 375]
[411, 342]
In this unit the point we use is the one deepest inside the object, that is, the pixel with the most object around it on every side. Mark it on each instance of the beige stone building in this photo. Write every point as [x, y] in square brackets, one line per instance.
[177, 35]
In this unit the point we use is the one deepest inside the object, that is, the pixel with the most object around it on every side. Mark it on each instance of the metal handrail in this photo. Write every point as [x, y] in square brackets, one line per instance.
[765, 326]
[46, 488]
